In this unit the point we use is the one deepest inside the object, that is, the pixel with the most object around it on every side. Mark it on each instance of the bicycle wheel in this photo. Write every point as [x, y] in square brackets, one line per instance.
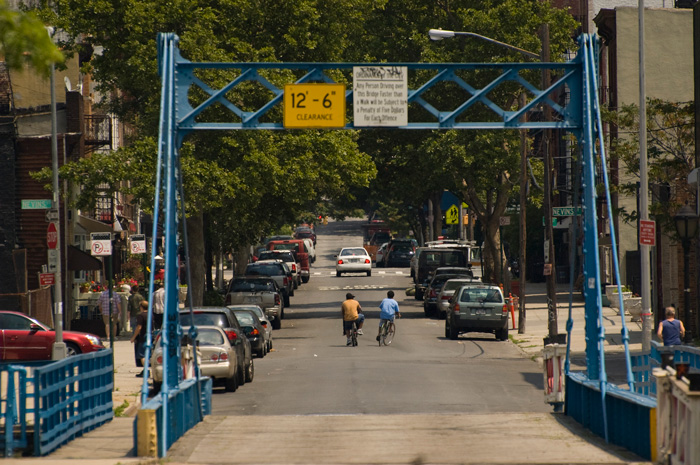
[390, 331]
[353, 335]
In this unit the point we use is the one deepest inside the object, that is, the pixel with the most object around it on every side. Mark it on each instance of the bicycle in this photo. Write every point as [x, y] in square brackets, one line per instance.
[353, 334]
[386, 332]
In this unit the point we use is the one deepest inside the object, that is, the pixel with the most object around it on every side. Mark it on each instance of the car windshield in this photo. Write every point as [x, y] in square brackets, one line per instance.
[245, 318]
[266, 269]
[482, 295]
[245, 285]
[293, 247]
[351, 252]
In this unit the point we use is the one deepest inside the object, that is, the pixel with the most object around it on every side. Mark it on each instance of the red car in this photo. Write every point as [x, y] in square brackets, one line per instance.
[24, 338]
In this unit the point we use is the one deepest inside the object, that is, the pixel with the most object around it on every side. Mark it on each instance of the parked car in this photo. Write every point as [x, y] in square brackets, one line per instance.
[399, 253]
[353, 260]
[479, 309]
[258, 290]
[448, 289]
[377, 239]
[301, 254]
[267, 325]
[431, 299]
[288, 257]
[225, 319]
[276, 270]
[253, 329]
[304, 232]
[216, 358]
[311, 249]
[430, 259]
[24, 338]
[381, 255]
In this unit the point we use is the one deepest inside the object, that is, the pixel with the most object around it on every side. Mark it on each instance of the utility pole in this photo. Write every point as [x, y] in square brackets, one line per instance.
[58, 350]
[523, 221]
[549, 261]
[644, 191]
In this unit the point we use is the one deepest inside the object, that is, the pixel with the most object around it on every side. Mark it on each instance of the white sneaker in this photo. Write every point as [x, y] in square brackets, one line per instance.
[349, 343]
[359, 332]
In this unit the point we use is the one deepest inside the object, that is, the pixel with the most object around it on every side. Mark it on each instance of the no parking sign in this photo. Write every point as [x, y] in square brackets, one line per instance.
[101, 244]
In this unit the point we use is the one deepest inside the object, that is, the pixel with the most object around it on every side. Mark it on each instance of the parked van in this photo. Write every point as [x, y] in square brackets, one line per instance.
[431, 259]
[300, 251]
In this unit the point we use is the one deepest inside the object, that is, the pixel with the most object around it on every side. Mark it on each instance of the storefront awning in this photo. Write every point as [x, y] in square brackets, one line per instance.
[82, 261]
[93, 226]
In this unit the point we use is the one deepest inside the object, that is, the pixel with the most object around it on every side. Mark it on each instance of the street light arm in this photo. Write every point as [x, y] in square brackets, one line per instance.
[439, 34]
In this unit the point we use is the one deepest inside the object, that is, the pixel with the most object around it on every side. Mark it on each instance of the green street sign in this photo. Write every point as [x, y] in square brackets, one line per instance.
[554, 221]
[34, 204]
[566, 211]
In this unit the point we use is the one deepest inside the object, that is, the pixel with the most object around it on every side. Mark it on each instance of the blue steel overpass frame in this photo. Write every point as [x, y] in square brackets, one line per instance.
[580, 115]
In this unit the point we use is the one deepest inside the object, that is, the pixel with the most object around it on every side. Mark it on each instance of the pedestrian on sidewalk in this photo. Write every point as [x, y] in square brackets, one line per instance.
[139, 336]
[134, 305]
[158, 306]
[103, 303]
[671, 331]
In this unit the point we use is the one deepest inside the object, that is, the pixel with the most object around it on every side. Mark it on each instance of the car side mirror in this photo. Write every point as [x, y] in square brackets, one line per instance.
[34, 327]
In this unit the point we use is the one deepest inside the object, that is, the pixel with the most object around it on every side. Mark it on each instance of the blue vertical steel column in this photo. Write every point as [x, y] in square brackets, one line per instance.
[591, 269]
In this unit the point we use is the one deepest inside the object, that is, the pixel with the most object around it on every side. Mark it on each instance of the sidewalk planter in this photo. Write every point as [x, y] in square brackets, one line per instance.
[182, 295]
[633, 305]
[613, 297]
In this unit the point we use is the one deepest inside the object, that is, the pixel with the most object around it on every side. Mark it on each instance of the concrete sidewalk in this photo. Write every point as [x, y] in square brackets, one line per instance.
[532, 438]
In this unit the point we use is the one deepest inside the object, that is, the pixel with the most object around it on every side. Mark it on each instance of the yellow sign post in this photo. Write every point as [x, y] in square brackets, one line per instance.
[452, 215]
[314, 106]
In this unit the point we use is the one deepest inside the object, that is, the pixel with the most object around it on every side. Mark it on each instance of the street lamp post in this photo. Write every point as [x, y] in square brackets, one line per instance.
[439, 34]
[687, 226]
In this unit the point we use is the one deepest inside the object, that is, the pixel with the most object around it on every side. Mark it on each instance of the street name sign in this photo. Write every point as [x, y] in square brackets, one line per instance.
[52, 236]
[647, 232]
[567, 211]
[36, 204]
[101, 244]
[138, 243]
[380, 96]
[314, 106]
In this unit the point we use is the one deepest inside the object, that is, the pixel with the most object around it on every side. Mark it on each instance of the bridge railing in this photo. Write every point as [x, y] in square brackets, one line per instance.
[54, 402]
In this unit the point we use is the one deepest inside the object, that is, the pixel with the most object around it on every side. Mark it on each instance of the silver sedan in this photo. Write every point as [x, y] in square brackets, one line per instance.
[353, 260]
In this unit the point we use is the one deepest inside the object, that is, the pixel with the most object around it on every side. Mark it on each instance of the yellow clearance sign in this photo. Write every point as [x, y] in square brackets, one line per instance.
[314, 106]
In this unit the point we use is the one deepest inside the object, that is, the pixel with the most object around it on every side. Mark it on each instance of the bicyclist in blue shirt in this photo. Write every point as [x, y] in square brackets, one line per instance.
[388, 308]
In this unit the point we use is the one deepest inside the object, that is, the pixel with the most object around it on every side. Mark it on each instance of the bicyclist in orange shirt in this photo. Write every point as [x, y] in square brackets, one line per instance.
[352, 313]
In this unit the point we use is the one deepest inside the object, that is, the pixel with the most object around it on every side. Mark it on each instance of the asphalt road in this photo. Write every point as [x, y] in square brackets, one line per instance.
[311, 371]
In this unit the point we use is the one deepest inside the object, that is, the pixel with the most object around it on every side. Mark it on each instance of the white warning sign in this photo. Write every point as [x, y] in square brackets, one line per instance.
[380, 96]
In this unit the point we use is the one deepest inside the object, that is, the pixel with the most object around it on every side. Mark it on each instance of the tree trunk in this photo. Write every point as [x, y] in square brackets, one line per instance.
[241, 257]
[195, 236]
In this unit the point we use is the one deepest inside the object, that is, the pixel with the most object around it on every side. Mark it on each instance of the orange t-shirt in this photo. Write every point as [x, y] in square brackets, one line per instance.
[350, 310]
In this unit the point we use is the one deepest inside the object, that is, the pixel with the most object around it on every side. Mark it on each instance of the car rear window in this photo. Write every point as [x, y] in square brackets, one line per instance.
[351, 252]
[293, 247]
[267, 269]
[245, 318]
[210, 337]
[276, 256]
[204, 319]
[402, 248]
[244, 285]
[482, 295]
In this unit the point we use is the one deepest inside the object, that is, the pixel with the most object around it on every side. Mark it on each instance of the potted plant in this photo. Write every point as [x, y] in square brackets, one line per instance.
[613, 297]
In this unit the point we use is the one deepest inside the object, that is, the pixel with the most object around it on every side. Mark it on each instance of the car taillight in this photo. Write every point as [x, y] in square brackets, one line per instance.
[340, 262]
[285, 281]
[366, 260]
[222, 357]
[264, 324]
[277, 299]
[294, 267]
[231, 335]
[505, 308]
[455, 308]
[255, 332]
[446, 297]
[432, 293]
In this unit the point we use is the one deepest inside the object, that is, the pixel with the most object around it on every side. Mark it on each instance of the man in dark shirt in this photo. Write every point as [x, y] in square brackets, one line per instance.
[139, 336]
[671, 331]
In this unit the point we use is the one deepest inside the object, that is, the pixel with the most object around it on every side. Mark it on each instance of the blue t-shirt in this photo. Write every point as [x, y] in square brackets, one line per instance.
[388, 308]
[671, 332]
